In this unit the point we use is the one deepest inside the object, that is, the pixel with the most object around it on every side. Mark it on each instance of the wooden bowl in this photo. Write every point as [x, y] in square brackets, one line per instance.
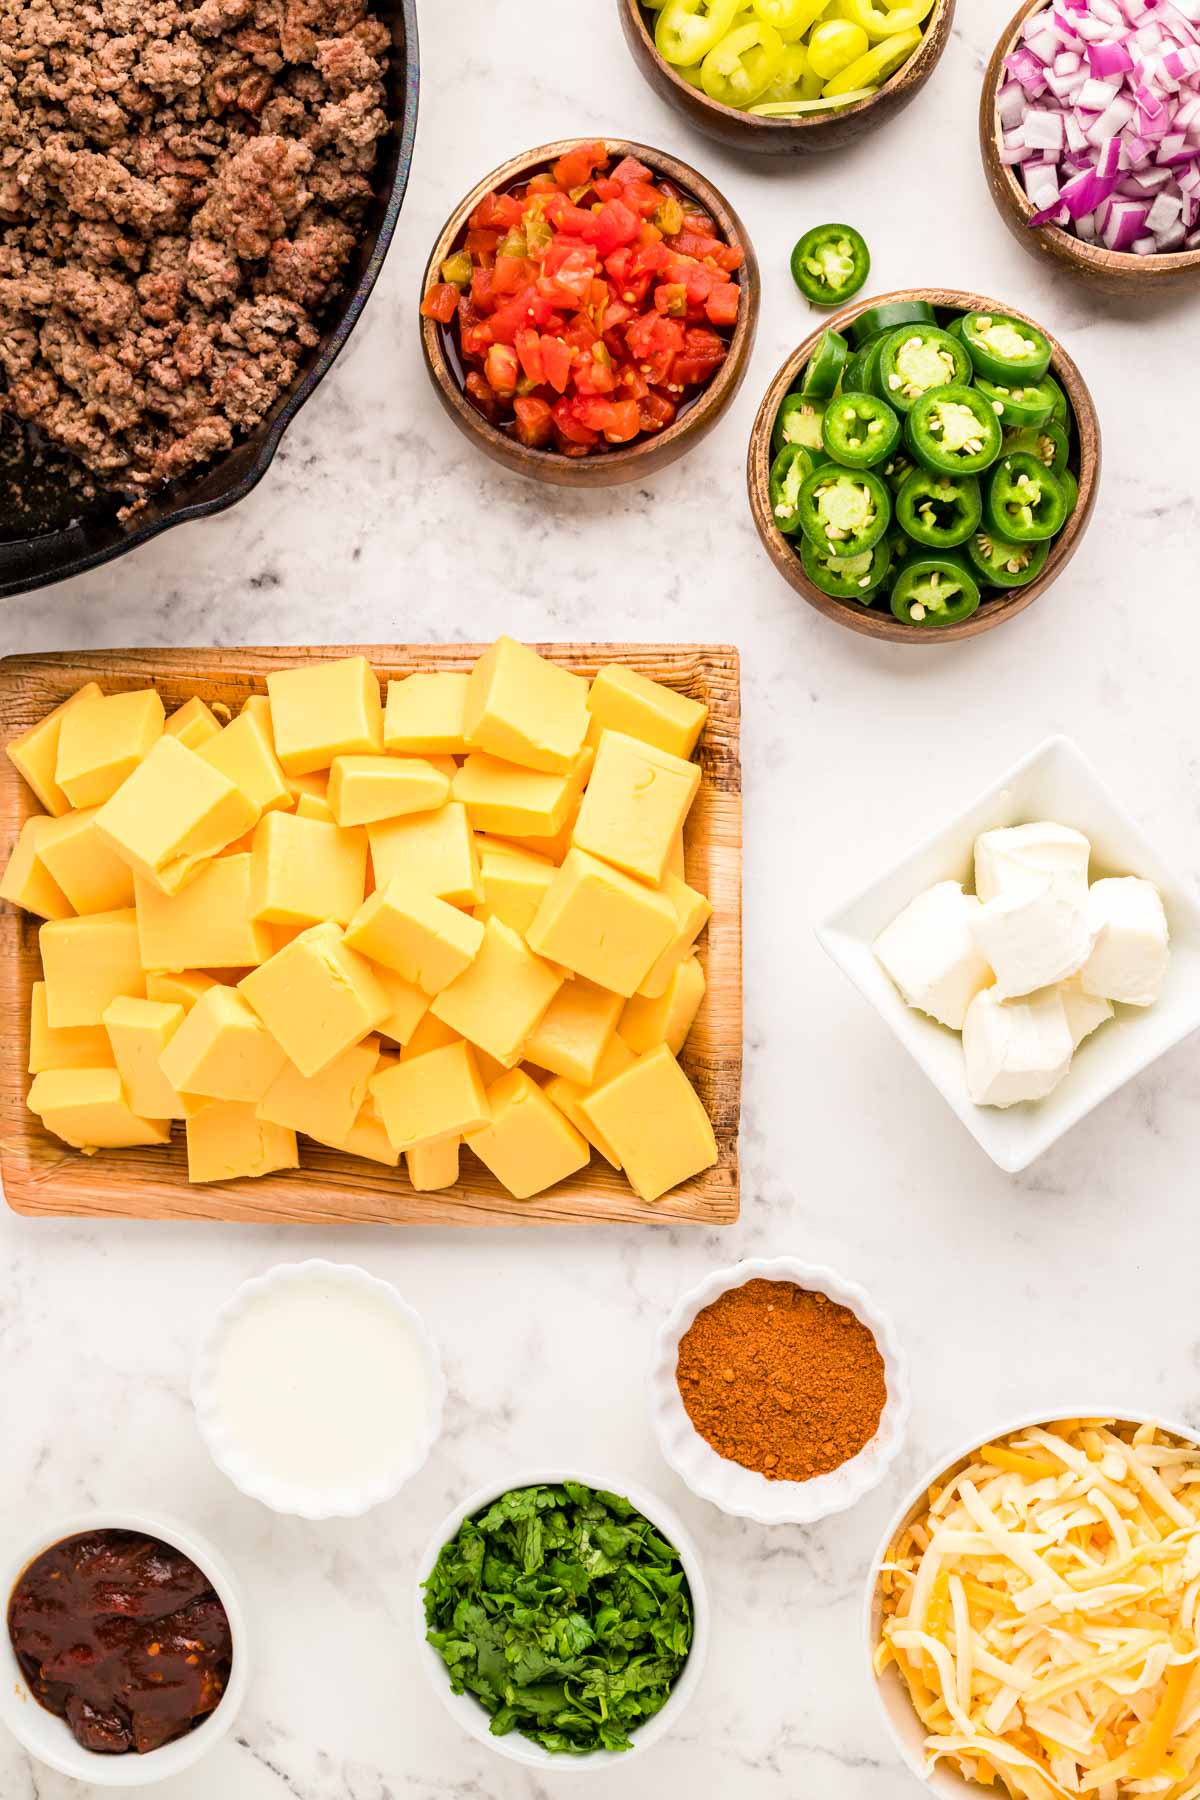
[786, 137]
[1108, 271]
[877, 621]
[647, 455]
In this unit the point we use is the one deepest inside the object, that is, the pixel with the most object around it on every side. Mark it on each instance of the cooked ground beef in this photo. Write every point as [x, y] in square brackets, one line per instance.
[181, 182]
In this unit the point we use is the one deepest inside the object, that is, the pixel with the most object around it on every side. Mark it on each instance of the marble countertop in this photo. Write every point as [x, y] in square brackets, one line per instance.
[378, 524]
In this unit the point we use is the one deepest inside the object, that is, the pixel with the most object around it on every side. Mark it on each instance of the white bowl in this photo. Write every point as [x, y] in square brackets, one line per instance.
[1056, 782]
[48, 1738]
[740, 1491]
[338, 1498]
[905, 1728]
[467, 1711]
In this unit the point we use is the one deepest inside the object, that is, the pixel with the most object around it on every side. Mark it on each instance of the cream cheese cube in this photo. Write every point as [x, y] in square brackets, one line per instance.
[1016, 1049]
[1085, 1012]
[931, 955]
[1132, 943]
[1022, 856]
[1032, 938]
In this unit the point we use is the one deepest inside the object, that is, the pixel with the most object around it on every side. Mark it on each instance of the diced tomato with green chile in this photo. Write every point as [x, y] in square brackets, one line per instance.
[598, 301]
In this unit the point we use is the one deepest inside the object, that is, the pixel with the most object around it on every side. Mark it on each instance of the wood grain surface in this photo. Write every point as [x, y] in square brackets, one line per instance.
[43, 1176]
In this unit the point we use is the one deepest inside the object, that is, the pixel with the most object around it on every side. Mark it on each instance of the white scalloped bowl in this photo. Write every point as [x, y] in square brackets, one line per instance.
[338, 1498]
[740, 1491]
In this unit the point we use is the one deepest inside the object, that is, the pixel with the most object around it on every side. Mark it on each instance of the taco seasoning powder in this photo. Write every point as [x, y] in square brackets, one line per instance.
[783, 1381]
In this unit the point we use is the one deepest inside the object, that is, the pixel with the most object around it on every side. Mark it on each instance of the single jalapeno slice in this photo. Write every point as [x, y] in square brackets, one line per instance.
[953, 431]
[940, 511]
[1048, 442]
[1070, 488]
[917, 358]
[825, 366]
[1060, 411]
[860, 430]
[877, 321]
[847, 577]
[933, 591]
[798, 421]
[1006, 349]
[896, 470]
[789, 472]
[1025, 502]
[830, 264]
[1016, 407]
[688, 29]
[844, 511]
[1003, 564]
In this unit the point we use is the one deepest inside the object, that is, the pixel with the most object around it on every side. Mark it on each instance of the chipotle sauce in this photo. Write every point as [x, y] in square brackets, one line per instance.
[121, 1636]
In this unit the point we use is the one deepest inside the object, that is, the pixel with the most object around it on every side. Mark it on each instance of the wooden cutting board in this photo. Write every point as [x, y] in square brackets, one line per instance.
[43, 1176]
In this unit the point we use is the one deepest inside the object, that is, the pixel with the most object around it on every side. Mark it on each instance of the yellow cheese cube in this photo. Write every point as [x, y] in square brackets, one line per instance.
[693, 912]
[524, 709]
[528, 1144]
[193, 723]
[305, 871]
[309, 807]
[325, 710]
[85, 866]
[425, 715]
[433, 1166]
[244, 753]
[207, 926]
[312, 787]
[408, 1002]
[34, 754]
[668, 1018]
[101, 743]
[621, 699]
[222, 1050]
[366, 1136]
[69, 1047]
[317, 997]
[87, 963]
[183, 988]
[227, 1140]
[655, 1121]
[435, 1095]
[325, 1105]
[516, 802]
[88, 1108]
[514, 882]
[27, 881]
[365, 789]
[635, 805]
[570, 1036]
[499, 999]
[567, 1095]
[172, 814]
[602, 924]
[550, 849]
[430, 1034]
[139, 1031]
[424, 939]
[433, 850]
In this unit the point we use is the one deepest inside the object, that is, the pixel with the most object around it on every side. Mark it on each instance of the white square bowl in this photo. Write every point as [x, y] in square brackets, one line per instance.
[1056, 782]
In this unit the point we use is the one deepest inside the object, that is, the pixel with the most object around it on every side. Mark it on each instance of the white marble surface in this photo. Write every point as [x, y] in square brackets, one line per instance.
[377, 524]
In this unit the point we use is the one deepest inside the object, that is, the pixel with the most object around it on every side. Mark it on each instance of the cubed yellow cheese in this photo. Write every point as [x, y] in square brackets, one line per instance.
[365, 789]
[139, 1031]
[34, 754]
[222, 1050]
[317, 997]
[309, 807]
[527, 1144]
[433, 850]
[305, 871]
[315, 787]
[551, 849]
[429, 1035]
[668, 1018]
[207, 926]
[570, 1037]
[635, 805]
[425, 715]
[567, 1095]
[621, 699]
[227, 1140]
[101, 743]
[409, 1004]
[692, 911]
[498, 1000]
[87, 963]
[88, 1108]
[325, 710]
[514, 802]
[424, 939]
[85, 866]
[524, 709]
[244, 753]
[193, 723]
[655, 1121]
[69, 1047]
[436, 1095]
[433, 1166]
[27, 881]
[367, 1137]
[602, 924]
[324, 1106]
[172, 814]
[181, 988]
[514, 882]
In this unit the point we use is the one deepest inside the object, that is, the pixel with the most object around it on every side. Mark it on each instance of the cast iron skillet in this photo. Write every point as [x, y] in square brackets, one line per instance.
[49, 529]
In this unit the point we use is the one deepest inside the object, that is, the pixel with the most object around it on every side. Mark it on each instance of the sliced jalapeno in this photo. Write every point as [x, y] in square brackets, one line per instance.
[860, 430]
[1005, 349]
[789, 472]
[953, 431]
[877, 321]
[825, 366]
[798, 421]
[1060, 411]
[844, 511]
[1048, 442]
[917, 358]
[1016, 407]
[940, 511]
[830, 264]
[1003, 564]
[934, 591]
[688, 29]
[741, 66]
[1025, 502]
[1070, 488]
[847, 577]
